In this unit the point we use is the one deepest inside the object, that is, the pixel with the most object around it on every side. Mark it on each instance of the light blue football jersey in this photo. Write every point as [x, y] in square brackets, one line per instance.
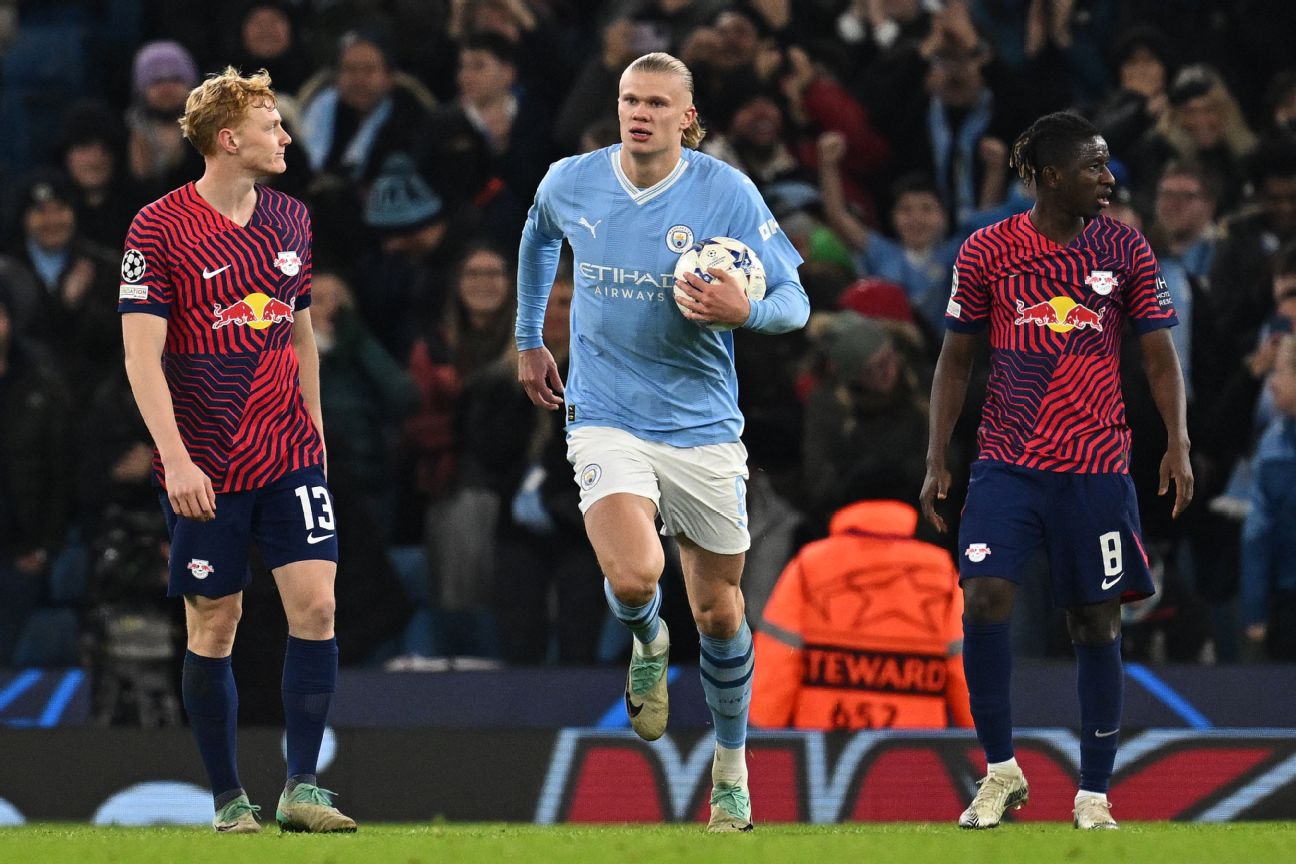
[636, 363]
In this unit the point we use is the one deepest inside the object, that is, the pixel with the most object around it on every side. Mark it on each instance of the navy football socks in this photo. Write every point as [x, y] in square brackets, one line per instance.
[1100, 683]
[987, 663]
[309, 679]
[211, 701]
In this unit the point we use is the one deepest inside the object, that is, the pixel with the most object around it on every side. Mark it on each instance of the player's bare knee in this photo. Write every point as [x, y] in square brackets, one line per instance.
[213, 635]
[314, 619]
[632, 585]
[718, 621]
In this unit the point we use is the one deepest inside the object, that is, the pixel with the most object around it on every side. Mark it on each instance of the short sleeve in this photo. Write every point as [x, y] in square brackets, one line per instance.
[968, 307]
[1148, 303]
[308, 257]
[146, 284]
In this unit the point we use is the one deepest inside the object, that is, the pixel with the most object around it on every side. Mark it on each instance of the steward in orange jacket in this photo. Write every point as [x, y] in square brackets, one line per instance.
[863, 630]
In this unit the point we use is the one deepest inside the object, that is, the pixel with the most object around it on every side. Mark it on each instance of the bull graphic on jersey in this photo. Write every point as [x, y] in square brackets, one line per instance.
[257, 311]
[1059, 314]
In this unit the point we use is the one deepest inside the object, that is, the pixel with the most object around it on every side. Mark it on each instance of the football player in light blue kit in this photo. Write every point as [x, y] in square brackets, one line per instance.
[652, 398]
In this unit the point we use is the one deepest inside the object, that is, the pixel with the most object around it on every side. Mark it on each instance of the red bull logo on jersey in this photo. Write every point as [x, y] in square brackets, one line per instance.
[257, 311]
[288, 263]
[1059, 314]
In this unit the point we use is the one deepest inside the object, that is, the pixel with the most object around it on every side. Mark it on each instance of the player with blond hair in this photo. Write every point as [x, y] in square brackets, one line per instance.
[221, 357]
[653, 427]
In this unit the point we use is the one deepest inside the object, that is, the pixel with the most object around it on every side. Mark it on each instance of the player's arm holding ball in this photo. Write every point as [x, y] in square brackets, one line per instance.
[722, 301]
[784, 307]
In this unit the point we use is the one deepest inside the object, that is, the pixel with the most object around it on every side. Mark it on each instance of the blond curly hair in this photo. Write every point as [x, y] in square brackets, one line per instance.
[221, 102]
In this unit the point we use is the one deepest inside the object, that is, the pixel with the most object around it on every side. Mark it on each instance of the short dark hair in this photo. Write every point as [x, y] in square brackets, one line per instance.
[1053, 139]
[1208, 179]
[493, 44]
[913, 182]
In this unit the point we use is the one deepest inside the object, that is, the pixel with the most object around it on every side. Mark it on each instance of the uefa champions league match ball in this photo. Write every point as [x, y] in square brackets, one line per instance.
[724, 253]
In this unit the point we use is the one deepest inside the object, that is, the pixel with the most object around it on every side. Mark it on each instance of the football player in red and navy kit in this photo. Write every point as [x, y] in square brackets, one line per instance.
[1055, 287]
[215, 297]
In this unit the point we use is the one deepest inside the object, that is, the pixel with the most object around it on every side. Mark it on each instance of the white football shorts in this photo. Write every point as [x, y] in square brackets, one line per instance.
[700, 492]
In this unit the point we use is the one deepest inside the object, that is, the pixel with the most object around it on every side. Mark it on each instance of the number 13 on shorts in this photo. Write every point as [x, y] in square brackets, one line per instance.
[308, 498]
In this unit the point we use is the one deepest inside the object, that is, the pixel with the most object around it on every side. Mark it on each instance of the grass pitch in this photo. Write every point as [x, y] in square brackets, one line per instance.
[1141, 842]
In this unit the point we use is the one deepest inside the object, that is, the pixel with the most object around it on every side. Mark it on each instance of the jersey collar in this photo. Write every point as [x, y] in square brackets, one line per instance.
[643, 196]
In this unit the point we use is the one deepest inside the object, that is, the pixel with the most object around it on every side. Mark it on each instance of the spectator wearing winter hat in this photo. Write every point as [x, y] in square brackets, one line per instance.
[401, 276]
[866, 412]
[885, 302]
[163, 74]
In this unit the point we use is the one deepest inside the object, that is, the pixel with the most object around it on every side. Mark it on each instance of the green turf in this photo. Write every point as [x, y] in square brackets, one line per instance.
[1137, 843]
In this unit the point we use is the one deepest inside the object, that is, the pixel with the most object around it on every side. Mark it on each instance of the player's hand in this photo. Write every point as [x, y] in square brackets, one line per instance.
[1256, 632]
[831, 147]
[935, 487]
[538, 375]
[721, 301]
[190, 491]
[993, 153]
[1175, 465]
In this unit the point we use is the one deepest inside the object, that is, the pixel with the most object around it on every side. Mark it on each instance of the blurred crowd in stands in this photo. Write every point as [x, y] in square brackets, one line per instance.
[878, 131]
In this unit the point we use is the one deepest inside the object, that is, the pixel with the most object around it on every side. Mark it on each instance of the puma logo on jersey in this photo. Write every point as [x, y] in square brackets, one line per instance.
[593, 229]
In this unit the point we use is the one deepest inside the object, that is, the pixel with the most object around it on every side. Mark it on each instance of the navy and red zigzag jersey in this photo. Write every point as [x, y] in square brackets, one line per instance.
[1056, 315]
[228, 294]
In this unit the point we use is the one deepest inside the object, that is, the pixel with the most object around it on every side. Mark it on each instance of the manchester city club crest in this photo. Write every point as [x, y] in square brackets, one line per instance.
[1101, 281]
[679, 238]
[288, 263]
[590, 475]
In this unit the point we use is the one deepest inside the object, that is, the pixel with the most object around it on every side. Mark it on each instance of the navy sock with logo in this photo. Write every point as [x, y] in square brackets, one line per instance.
[1100, 683]
[987, 663]
[211, 701]
[309, 679]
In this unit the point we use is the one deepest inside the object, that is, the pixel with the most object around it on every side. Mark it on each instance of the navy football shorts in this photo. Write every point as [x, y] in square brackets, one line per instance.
[290, 520]
[1088, 524]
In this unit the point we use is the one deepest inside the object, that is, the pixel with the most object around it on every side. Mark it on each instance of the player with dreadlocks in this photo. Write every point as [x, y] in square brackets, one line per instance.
[1055, 287]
